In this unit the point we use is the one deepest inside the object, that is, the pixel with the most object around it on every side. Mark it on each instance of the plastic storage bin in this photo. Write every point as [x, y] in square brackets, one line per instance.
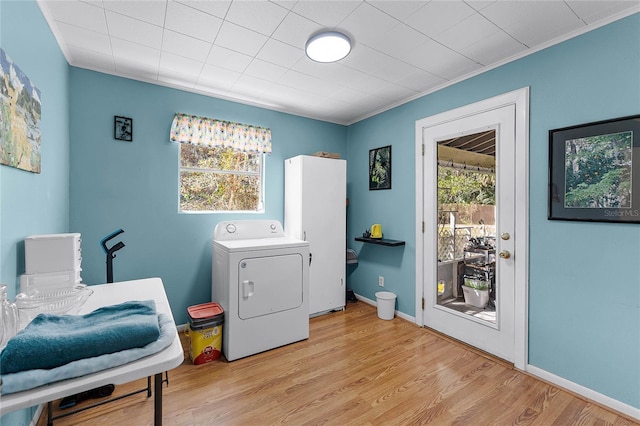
[52, 253]
[205, 332]
[475, 297]
[386, 304]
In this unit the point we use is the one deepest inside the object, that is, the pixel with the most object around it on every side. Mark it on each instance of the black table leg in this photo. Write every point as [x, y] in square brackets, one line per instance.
[157, 401]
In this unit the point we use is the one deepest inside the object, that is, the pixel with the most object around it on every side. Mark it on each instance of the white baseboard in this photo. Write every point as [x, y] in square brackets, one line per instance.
[585, 392]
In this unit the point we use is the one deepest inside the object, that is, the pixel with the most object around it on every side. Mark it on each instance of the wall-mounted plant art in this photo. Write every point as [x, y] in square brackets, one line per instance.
[380, 168]
[594, 171]
[123, 128]
[20, 113]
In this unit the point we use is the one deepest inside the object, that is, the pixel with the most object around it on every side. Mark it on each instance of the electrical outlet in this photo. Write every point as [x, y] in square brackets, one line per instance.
[381, 281]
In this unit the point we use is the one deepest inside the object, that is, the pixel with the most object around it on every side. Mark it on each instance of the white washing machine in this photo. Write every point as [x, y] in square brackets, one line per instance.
[260, 277]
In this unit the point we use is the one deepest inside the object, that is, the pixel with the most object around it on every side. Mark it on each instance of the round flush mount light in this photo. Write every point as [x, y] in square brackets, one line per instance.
[328, 46]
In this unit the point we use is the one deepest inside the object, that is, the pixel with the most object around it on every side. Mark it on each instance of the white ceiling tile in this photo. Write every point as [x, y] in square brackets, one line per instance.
[399, 9]
[240, 39]
[80, 14]
[134, 30]
[265, 70]
[277, 52]
[368, 25]
[125, 51]
[189, 47]
[400, 41]
[85, 39]
[216, 77]
[151, 11]
[420, 81]
[327, 13]
[217, 8]
[287, 4]
[192, 22]
[393, 92]
[228, 59]
[261, 16]
[493, 48]
[313, 68]
[295, 30]
[89, 59]
[172, 66]
[306, 82]
[531, 24]
[143, 71]
[378, 64]
[440, 61]
[467, 32]
[437, 16]
[594, 11]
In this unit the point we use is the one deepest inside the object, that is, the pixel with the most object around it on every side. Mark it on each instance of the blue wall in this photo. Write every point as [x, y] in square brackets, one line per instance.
[584, 320]
[584, 288]
[34, 203]
[134, 185]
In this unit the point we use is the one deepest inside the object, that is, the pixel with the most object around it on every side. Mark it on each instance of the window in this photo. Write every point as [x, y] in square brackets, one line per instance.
[220, 179]
[221, 164]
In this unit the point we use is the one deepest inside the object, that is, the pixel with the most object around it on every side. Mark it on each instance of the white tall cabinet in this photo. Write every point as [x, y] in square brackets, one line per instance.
[315, 210]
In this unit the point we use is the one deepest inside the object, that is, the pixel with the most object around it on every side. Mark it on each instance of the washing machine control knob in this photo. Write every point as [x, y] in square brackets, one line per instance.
[231, 228]
[273, 227]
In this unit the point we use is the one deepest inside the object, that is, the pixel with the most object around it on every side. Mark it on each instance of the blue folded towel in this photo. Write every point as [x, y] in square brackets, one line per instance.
[50, 341]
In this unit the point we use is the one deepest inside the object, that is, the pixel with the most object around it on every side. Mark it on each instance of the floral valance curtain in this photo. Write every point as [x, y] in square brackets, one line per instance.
[210, 132]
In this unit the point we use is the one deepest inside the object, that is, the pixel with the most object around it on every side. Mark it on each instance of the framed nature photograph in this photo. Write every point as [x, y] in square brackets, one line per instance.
[594, 171]
[380, 168]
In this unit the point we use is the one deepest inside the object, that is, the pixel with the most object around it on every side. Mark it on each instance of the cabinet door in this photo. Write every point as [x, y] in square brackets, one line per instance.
[324, 226]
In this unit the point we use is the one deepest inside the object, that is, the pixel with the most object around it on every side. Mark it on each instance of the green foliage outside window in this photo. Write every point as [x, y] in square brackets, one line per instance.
[465, 187]
[219, 179]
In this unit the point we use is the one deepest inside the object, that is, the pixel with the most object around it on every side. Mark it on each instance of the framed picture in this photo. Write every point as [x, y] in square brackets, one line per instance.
[594, 171]
[123, 128]
[380, 168]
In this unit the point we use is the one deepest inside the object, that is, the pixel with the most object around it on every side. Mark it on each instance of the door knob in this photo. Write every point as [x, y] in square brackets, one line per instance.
[505, 254]
[505, 236]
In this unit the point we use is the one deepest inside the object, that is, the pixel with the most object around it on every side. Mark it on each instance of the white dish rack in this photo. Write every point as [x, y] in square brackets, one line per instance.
[60, 300]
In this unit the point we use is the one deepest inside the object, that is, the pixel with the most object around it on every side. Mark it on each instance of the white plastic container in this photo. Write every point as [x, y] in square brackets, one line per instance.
[30, 282]
[475, 297]
[386, 304]
[52, 253]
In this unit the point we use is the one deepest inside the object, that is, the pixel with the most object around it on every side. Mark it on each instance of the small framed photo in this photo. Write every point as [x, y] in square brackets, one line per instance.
[123, 128]
[594, 171]
[380, 168]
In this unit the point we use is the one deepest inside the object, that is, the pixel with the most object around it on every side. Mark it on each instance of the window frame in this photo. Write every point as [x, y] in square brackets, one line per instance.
[260, 174]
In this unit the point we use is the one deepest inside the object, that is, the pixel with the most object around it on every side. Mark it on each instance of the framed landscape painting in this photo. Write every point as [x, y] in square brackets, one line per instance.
[20, 112]
[594, 171]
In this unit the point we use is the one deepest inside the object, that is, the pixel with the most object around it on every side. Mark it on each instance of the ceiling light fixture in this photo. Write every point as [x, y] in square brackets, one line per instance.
[328, 46]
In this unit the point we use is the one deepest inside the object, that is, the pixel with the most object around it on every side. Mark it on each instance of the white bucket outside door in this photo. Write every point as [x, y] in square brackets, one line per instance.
[386, 304]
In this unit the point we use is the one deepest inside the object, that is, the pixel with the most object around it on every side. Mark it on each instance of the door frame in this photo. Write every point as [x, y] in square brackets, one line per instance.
[520, 99]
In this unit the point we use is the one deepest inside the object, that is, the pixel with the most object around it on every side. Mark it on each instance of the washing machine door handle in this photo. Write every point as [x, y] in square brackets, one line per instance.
[247, 289]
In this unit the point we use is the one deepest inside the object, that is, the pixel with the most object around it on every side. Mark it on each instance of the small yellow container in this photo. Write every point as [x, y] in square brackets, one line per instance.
[205, 332]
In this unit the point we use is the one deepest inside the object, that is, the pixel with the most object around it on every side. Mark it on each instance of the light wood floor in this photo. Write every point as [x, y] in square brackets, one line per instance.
[354, 369]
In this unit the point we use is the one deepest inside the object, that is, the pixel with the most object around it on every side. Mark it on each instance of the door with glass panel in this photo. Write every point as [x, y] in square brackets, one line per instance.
[469, 220]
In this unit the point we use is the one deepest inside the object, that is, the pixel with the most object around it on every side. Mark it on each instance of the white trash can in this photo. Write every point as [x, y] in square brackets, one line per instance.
[386, 304]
